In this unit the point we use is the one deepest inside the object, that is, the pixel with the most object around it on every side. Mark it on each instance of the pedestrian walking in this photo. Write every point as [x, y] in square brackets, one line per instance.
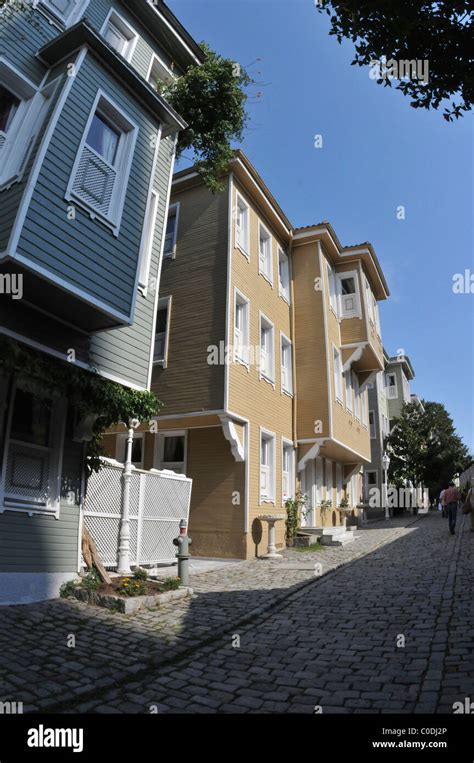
[451, 499]
[468, 506]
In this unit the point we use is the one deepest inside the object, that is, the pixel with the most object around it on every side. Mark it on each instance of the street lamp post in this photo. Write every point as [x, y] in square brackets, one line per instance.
[385, 465]
[123, 567]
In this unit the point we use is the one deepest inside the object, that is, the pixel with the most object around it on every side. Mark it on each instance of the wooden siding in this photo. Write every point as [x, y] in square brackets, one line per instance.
[68, 248]
[216, 524]
[196, 281]
[125, 352]
[253, 398]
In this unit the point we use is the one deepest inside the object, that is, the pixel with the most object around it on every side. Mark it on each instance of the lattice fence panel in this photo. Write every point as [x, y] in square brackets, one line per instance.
[157, 503]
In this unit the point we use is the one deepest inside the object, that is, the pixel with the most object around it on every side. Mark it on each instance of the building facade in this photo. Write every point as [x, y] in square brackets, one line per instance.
[87, 148]
[263, 377]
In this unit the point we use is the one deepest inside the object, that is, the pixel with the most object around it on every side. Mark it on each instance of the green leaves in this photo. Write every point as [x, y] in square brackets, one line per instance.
[211, 98]
[424, 447]
[438, 33]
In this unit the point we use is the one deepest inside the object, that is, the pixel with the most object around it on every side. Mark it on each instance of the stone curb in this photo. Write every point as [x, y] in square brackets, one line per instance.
[131, 605]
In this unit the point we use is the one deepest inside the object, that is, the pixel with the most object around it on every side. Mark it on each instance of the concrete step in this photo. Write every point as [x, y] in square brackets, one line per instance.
[337, 540]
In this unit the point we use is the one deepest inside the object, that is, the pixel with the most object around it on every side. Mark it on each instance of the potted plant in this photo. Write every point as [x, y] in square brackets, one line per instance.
[326, 507]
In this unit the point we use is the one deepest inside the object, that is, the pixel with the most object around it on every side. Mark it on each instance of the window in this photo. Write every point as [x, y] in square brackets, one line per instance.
[100, 175]
[364, 406]
[242, 226]
[160, 355]
[283, 275]
[241, 328]
[348, 379]
[372, 428]
[337, 367]
[370, 479]
[22, 111]
[287, 470]
[329, 482]
[377, 316]
[171, 231]
[349, 305]
[355, 384]
[286, 365]
[137, 449]
[267, 359]
[67, 11]
[392, 391]
[338, 484]
[369, 301]
[172, 451]
[265, 253]
[147, 239]
[9, 104]
[33, 445]
[332, 287]
[159, 72]
[120, 35]
[267, 466]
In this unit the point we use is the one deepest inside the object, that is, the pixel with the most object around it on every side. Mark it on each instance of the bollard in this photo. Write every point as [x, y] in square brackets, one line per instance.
[183, 541]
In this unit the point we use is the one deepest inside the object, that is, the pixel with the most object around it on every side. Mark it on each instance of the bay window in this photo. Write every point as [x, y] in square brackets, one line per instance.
[66, 11]
[349, 305]
[171, 231]
[120, 35]
[332, 287]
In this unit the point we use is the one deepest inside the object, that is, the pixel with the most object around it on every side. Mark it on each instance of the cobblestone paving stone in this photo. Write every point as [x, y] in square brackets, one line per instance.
[305, 641]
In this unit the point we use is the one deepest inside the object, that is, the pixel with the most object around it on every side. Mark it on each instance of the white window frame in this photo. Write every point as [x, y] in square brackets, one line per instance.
[356, 388]
[284, 291]
[339, 484]
[392, 389]
[164, 302]
[268, 497]
[165, 73]
[364, 407]
[349, 390]
[174, 209]
[116, 20]
[337, 374]
[17, 143]
[286, 343]
[68, 20]
[121, 444]
[19, 503]
[265, 270]
[369, 301]
[160, 450]
[241, 347]
[329, 483]
[287, 446]
[242, 237]
[148, 236]
[122, 166]
[356, 311]
[269, 326]
[332, 287]
[372, 425]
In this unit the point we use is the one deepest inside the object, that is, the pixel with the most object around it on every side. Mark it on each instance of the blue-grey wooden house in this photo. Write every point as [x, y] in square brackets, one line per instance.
[86, 159]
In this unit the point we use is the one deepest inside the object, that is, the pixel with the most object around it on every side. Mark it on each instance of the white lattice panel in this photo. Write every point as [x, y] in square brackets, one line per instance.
[157, 504]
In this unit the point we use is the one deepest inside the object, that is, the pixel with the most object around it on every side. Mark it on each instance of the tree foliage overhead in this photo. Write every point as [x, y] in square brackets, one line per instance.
[424, 447]
[438, 32]
[211, 98]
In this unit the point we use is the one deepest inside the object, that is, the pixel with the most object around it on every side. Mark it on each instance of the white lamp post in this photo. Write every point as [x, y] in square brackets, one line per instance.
[123, 567]
[385, 465]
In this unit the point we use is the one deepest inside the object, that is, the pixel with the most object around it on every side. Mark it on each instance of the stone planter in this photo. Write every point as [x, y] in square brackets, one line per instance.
[128, 606]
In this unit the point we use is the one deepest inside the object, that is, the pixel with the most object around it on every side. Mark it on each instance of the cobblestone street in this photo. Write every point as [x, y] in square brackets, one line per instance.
[388, 627]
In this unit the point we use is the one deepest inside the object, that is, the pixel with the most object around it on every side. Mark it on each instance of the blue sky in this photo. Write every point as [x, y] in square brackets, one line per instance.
[378, 153]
